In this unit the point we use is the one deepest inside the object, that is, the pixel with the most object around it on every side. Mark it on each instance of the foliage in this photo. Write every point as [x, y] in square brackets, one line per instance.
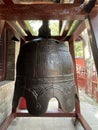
[36, 24]
[54, 27]
[78, 48]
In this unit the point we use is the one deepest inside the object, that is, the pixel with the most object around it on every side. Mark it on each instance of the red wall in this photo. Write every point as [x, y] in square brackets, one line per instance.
[80, 61]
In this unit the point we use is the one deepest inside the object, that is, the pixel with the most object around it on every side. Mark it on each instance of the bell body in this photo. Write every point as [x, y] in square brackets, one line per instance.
[44, 71]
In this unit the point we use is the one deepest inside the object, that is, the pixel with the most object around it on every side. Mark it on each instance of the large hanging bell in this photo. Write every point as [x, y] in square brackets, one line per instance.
[44, 71]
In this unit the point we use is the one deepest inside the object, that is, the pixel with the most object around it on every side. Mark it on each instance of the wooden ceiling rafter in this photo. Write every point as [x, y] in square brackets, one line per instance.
[74, 11]
[2, 22]
[60, 21]
[73, 27]
[24, 26]
[17, 29]
[53, 11]
[75, 24]
[63, 25]
[21, 22]
[75, 30]
[78, 31]
[13, 24]
[29, 26]
[8, 2]
[65, 28]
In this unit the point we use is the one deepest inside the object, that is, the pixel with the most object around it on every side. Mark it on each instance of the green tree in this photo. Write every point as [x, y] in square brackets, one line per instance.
[78, 48]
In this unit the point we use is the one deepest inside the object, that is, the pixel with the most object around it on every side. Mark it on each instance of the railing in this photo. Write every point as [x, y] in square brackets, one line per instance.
[89, 84]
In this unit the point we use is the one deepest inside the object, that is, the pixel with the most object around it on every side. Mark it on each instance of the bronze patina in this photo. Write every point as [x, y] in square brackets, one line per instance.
[44, 71]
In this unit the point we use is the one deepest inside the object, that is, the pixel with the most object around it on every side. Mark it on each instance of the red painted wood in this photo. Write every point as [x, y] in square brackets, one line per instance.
[48, 114]
[94, 24]
[78, 116]
[8, 121]
[83, 122]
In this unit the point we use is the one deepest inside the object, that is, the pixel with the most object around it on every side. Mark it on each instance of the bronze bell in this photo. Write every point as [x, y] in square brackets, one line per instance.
[44, 71]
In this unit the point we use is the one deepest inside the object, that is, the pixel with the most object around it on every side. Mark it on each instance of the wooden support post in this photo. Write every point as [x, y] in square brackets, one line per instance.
[13, 115]
[77, 104]
[93, 42]
[83, 122]
[94, 26]
[8, 121]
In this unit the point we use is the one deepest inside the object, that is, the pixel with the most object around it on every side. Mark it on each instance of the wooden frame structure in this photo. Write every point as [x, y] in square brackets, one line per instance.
[76, 11]
[76, 116]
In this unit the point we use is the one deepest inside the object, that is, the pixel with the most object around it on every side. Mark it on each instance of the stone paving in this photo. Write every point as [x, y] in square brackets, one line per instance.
[89, 109]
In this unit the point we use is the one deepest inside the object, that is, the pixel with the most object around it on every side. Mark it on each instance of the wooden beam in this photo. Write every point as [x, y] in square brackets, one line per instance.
[42, 12]
[8, 2]
[79, 1]
[83, 122]
[73, 27]
[7, 121]
[17, 29]
[78, 31]
[24, 26]
[1, 2]
[29, 27]
[75, 24]
[94, 11]
[2, 22]
[62, 26]
[65, 28]
[13, 24]
[93, 43]
[94, 24]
